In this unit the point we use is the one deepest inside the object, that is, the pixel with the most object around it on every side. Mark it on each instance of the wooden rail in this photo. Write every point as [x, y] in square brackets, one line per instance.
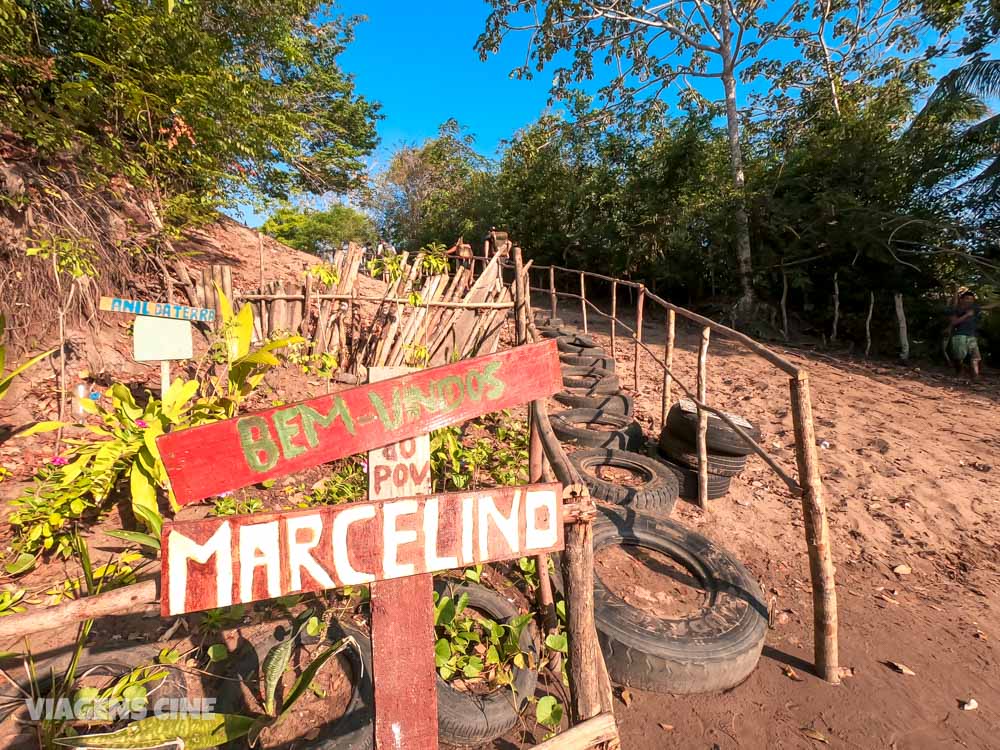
[808, 486]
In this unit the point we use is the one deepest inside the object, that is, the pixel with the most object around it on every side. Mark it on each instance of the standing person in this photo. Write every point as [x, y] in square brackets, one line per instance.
[964, 318]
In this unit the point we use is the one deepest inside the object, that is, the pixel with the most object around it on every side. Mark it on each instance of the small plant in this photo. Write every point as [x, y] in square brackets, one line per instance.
[215, 620]
[111, 575]
[346, 484]
[326, 273]
[474, 646]
[10, 601]
[231, 506]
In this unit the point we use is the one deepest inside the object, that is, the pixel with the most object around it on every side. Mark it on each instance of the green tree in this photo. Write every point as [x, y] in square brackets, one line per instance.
[434, 192]
[202, 103]
[319, 231]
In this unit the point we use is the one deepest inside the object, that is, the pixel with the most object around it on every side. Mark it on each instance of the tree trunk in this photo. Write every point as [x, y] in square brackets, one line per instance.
[736, 160]
[904, 340]
[784, 302]
[836, 307]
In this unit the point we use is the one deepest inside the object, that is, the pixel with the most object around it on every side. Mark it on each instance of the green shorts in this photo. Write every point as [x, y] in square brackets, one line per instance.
[965, 346]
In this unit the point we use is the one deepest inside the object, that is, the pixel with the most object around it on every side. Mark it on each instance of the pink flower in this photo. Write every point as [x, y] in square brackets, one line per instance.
[59, 461]
[141, 423]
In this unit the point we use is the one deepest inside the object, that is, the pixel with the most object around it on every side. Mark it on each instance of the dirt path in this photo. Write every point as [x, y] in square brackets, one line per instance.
[912, 476]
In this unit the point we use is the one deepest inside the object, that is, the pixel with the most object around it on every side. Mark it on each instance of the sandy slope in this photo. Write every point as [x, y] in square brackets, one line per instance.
[912, 475]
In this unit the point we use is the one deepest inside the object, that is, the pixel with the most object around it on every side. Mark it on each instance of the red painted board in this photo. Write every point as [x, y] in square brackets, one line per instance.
[402, 620]
[222, 456]
[218, 562]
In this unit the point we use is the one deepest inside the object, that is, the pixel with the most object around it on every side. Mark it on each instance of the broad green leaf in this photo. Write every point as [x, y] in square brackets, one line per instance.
[143, 487]
[9, 378]
[168, 656]
[473, 667]
[88, 405]
[309, 673]
[442, 652]
[275, 664]
[557, 642]
[136, 537]
[217, 652]
[151, 517]
[38, 427]
[549, 712]
[194, 732]
[444, 613]
[23, 563]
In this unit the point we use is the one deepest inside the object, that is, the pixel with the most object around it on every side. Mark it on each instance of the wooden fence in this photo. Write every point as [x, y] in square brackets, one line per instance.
[808, 485]
[427, 314]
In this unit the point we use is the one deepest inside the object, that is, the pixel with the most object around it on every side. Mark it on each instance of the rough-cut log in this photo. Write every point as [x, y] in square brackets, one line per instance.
[836, 307]
[703, 420]
[784, 303]
[614, 320]
[138, 598]
[668, 364]
[638, 334]
[553, 297]
[591, 733]
[821, 568]
[868, 323]
[583, 300]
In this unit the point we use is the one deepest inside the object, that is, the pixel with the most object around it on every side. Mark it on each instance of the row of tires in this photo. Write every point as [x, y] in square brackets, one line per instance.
[641, 480]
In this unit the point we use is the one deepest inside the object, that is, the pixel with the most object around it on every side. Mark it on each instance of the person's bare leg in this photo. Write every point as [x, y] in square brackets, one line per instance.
[975, 369]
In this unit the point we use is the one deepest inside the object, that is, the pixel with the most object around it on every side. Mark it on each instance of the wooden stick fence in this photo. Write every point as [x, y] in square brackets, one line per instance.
[808, 486]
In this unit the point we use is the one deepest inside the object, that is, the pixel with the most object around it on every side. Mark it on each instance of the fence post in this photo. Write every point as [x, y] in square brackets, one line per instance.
[668, 364]
[583, 301]
[638, 333]
[817, 533]
[703, 419]
[614, 317]
[553, 297]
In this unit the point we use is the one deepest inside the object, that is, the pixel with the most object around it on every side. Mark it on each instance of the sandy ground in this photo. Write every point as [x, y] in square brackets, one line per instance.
[911, 465]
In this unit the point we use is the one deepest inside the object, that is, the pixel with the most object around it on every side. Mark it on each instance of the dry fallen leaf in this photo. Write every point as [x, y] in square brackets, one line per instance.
[846, 672]
[902, 569]
[981, 635]
[790, 673]
[666, 727]
[814, 735]
[626, 697]
[969, 705]
[901, 668]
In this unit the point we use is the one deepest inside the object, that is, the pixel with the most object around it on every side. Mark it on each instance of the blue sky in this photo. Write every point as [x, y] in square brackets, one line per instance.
[418, 61]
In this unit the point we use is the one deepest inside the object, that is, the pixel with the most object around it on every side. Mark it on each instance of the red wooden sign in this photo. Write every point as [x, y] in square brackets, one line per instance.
[223, 456]
[219, 562]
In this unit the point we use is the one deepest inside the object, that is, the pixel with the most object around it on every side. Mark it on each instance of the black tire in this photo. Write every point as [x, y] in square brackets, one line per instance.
[594, 380]
[570, 343]
[687, 479]
[469, 719]
[657, 494]
[354, 730]
[683, 453]
[715, 649]
[585, 351]
[612, 403]
[626, 434]
[682, 421]
[549, 332]
[603, 362]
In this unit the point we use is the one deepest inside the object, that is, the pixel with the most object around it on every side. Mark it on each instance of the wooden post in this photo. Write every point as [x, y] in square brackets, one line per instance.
[668, 365]
[638, 333]
[583, 301]
[904, 340]
[868, 323]
[614, 317]
[553, 297]
[836, 307]
[578, 572]
[703, 419]
[164, 377]
[227, 283]
[260, 252]
[817, 533]
[402, 620]
[784, 300]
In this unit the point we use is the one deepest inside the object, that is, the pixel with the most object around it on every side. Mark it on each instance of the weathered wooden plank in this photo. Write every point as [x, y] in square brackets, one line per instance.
[402, 621]
[218, 562]
[223, 456]
[155, 309]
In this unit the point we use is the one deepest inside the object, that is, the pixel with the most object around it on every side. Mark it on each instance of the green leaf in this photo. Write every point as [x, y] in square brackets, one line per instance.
[275, 664]
[557, 642]
[492, 657]
[549, 712]
[195, 732]
[136, 537]
[6, 381]
[168, 656]
[217, 652]
[150, 517]
[309, 673]
[49, 426]
[23, 563]
[143, 488]
[442, 652]
[313, 626]
[444, 613]
[473, 667]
